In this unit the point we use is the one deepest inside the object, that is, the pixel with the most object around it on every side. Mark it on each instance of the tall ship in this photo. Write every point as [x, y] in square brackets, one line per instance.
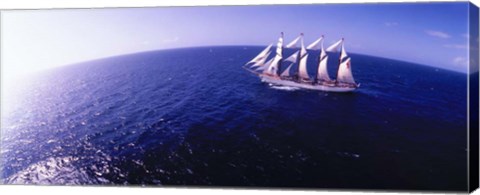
[295, 74]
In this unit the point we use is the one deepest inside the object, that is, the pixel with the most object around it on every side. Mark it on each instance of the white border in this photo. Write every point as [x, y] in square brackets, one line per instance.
[37, 4]
[48, 4]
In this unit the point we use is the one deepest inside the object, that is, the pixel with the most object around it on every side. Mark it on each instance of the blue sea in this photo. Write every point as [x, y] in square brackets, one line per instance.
[194, 117]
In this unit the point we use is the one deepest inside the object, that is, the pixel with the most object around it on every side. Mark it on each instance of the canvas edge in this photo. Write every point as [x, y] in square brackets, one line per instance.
[473, 99]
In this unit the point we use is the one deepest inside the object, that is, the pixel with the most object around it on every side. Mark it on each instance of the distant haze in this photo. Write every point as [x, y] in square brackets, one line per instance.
[434, 34]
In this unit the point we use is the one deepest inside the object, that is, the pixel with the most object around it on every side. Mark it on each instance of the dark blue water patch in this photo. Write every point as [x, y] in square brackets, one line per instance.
[195, 117]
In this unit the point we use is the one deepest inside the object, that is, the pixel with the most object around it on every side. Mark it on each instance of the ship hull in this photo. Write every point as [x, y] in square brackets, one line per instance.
[320, 87]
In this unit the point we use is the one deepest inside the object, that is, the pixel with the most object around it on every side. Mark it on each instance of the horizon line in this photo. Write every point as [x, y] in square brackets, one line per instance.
[206, 46]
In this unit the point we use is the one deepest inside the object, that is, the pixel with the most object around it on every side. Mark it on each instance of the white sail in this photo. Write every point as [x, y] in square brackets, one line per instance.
[315, 44]
[267, 64]
[334, 47]
[322, 73]
[261, 61]
[293, 43]
[261, 56]
[344, 74]
[302, 66]
[343, 53]
[302, 71]
[292, 58]
[261, 68]
[273, 66]
[286, 72]
[322, 70]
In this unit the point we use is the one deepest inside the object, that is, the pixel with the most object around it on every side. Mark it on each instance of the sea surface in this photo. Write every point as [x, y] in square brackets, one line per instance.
[194, 117]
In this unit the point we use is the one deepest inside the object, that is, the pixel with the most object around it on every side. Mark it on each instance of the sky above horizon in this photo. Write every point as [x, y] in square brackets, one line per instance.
[434, 34]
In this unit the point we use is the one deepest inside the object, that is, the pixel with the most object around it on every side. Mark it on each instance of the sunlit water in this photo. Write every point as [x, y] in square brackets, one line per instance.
[195, 117]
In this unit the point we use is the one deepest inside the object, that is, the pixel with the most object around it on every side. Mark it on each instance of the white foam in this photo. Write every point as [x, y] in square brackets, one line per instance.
[285, 88]
[51, 171]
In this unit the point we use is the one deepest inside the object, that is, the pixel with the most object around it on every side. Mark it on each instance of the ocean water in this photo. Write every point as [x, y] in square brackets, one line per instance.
[194, 117]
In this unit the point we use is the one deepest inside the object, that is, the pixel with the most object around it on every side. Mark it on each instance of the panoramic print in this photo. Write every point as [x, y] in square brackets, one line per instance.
[320, 96]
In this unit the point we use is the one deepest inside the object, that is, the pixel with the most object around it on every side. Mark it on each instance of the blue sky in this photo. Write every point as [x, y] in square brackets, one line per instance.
[434, 34]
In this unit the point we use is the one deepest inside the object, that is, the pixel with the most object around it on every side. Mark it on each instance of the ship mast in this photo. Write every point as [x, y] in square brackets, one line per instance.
[322, 73]
[274, 67]
[302, 66]
[344, 74]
